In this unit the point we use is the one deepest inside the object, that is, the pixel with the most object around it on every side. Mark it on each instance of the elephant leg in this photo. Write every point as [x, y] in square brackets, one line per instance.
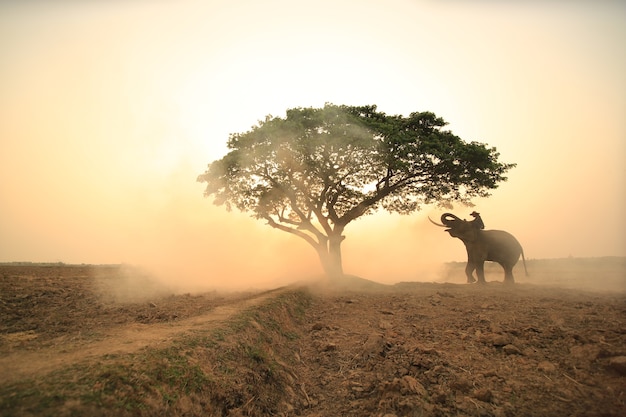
[508, 274]
[469, 269]
[480, 272]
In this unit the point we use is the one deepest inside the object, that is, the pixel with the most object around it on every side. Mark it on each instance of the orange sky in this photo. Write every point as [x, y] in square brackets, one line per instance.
[109, 111]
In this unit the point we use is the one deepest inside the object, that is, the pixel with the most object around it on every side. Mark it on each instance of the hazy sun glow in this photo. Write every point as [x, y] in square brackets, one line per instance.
[111, 110]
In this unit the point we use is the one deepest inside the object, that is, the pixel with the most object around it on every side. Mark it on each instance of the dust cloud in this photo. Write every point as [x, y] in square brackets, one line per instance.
[125, 284]
[172, 240]
[231, 251]
[195, 246]
[105, 131]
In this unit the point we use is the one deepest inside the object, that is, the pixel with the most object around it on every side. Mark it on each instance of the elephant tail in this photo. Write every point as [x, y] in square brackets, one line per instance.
[524, 262]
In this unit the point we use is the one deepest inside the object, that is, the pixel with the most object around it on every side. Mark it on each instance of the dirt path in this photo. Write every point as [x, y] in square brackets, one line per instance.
[120, 340]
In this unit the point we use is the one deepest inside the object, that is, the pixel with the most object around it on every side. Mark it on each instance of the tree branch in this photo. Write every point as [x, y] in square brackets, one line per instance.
[293, 231]
[380, 194]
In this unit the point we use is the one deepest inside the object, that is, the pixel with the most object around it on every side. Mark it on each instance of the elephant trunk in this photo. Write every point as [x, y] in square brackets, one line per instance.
[448, 219]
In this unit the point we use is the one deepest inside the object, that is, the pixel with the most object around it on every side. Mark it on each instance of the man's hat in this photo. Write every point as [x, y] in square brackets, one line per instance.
[473, 213]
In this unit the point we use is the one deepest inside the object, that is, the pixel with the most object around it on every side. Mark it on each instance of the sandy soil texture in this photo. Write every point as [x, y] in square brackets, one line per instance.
[356, 348]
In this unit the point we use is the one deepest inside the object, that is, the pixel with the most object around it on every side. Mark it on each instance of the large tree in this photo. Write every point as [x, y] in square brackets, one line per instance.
[318, 169]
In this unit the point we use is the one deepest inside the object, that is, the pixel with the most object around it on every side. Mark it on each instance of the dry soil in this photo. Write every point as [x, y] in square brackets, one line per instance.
[356, 347]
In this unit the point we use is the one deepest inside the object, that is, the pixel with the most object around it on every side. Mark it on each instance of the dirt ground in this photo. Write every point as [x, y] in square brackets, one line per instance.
[355, 348]
[52, 316]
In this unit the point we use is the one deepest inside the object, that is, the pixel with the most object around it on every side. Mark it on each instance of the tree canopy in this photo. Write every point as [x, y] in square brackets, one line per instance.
[316, 170]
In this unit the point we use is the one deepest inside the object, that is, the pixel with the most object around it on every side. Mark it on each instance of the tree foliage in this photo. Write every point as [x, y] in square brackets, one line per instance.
[316, 170]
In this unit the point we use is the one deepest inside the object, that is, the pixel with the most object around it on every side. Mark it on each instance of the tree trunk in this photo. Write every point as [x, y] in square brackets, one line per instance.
[330, 256]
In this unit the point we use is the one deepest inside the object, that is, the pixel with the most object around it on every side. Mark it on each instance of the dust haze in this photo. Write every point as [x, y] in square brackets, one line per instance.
[199, 247]
[109, 115]
[172, 239]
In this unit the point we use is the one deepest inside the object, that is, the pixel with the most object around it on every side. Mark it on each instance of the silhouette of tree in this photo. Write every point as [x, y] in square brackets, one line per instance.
[318, 169]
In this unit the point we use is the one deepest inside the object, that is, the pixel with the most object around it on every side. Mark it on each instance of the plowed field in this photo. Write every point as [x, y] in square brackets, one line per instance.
[95, 340]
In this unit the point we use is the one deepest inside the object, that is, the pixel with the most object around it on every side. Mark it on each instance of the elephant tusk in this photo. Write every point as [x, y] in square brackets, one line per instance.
[435, 223]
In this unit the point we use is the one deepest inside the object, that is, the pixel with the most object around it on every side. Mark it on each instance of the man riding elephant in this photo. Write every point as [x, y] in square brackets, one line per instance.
[478, 221]
[484, 245]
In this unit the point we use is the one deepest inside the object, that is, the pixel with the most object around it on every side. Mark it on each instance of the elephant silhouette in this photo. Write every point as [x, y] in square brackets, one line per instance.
[484, 245]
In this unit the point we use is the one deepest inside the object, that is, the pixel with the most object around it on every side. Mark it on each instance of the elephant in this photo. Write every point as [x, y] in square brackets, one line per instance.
[484, 245]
